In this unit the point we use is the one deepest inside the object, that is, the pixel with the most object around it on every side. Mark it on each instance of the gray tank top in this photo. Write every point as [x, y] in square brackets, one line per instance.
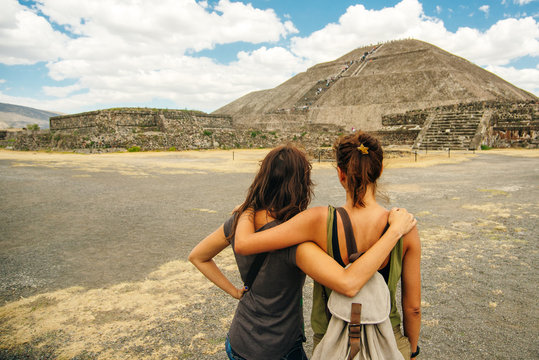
[269, 317]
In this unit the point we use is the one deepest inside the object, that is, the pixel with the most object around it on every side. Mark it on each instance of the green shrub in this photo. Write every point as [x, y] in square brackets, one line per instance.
[485, 147]
[134, 149]
[172, 148]
[207, 133]
[32, 127]
[254, 133]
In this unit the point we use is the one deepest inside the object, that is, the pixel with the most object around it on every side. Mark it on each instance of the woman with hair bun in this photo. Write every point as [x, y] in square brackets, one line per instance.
[324, 230]
[268, 323]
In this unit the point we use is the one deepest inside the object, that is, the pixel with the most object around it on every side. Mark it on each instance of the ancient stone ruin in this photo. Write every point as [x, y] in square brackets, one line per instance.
[162, 129]
[408, 92]
[465, 126]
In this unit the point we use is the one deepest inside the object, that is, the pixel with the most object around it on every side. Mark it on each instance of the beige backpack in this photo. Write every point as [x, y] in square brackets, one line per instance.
[360, 328]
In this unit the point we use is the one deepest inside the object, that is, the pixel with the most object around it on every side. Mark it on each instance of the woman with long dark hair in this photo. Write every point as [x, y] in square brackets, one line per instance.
[268, 322]
[359, 159]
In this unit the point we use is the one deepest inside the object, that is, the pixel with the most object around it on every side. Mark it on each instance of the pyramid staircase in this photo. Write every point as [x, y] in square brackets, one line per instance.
[353, 66]
[450, 130]
[314, 93]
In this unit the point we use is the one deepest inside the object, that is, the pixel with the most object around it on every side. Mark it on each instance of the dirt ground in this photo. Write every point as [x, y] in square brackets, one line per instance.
[93, 251]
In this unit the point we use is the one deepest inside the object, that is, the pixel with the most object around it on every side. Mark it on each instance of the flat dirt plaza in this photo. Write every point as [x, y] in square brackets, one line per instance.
[93, 251]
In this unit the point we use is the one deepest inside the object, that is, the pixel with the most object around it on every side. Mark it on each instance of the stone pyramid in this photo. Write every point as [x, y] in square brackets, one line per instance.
[357, 89]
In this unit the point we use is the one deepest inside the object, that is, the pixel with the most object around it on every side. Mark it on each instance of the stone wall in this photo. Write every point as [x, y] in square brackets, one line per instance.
[397, 137]
[160, 129]
[412, 117]
[509, 124]
[132, 119]
[516, 125]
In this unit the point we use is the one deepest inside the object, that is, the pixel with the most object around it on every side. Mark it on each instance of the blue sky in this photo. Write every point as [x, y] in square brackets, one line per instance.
[71, 56]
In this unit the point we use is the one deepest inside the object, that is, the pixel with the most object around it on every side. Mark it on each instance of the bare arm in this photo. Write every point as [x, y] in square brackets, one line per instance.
[202, 257]
[411, 287]
[309, 225]
[316, 263]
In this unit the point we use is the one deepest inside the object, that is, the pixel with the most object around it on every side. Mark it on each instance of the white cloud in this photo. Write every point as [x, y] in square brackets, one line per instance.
[360, 26]
[523, 78]
[102, 28]
[2, 81]
[167, 25]
[130, 51]
[503, 42]
[133, 51]
[195, 83]
[485, 9]
[438, 9]
[523, 2]
[61, 91]
[25, 37]
[506, 40]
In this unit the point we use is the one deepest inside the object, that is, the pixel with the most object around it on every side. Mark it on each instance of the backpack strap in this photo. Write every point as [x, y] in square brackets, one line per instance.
[256, 265]
[253, 270]
[331, 228]
[351, 246]
[354, 330]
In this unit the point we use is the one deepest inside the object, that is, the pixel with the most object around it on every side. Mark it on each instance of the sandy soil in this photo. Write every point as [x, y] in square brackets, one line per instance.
[93, 251]
[182, 162]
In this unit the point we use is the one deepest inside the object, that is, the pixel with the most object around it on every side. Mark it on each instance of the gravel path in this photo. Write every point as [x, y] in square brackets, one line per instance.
[93, 259]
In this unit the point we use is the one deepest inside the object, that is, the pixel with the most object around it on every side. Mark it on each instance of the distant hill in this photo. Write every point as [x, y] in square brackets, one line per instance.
[16, 116]
[360, 87]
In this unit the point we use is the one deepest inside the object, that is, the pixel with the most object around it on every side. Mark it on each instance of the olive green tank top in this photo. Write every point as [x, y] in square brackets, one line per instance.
[319, 314]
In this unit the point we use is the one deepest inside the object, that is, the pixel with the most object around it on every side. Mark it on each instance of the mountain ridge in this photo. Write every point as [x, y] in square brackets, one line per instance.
[18, 116]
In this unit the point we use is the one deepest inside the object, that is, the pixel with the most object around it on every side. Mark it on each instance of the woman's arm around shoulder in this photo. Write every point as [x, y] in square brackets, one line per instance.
[411, 287]
[202, 257]
[308, 225]
[316, 263]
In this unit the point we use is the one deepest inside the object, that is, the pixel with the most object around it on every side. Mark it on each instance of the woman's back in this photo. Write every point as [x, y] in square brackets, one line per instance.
[368, 224]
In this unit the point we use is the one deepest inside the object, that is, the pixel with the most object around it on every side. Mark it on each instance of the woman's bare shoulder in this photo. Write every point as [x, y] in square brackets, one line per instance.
[411, 240]
[313, 211]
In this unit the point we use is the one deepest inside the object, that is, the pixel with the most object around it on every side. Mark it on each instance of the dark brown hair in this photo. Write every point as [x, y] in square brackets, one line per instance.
[282, 185]
[361, 168]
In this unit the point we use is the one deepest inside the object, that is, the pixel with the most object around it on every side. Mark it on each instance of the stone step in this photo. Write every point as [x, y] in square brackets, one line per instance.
[444, 143]
[447, 135]
[452, 130]
[458, 123]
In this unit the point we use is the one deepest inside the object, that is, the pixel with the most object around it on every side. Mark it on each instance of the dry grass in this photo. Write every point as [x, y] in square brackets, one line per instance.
[129, 315]
[199, 161]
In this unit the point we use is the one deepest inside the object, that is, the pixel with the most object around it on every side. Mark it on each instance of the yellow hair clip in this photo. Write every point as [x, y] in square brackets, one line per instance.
[363, 149]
